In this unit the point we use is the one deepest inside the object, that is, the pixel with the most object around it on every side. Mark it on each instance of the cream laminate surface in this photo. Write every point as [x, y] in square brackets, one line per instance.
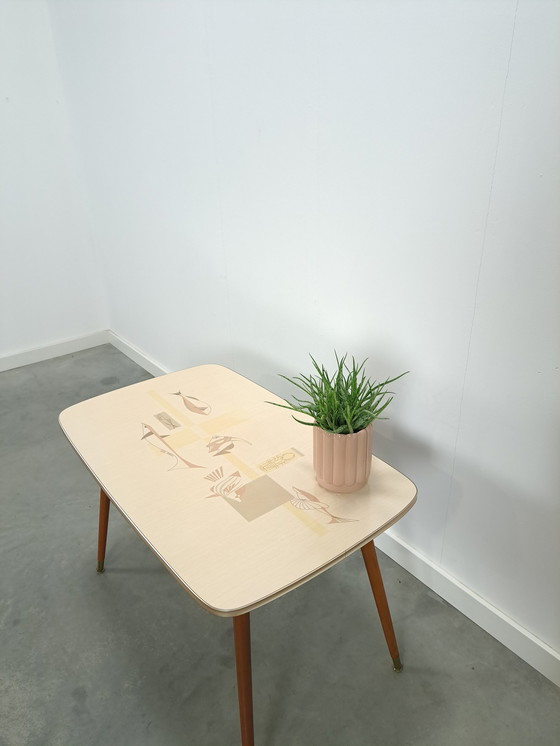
[220, 484]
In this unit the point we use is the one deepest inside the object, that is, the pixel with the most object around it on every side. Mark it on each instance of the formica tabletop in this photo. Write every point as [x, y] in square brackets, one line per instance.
[220, 484]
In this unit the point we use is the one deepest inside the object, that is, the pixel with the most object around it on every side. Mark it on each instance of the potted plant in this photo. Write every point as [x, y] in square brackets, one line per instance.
[341, 408]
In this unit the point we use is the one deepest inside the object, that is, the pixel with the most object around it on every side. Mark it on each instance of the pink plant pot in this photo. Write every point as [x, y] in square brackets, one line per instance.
[342, 463]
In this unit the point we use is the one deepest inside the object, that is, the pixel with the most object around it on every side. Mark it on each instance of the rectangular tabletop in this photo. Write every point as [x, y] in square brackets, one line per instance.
[220, 484]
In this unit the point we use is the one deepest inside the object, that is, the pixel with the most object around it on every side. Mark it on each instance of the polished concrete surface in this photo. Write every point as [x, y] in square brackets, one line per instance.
[128, 657]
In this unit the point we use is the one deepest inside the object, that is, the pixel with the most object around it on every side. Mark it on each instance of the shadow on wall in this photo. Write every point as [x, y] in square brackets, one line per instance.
[263, 362]
[467, 522]
[487, 547]
[424, 527]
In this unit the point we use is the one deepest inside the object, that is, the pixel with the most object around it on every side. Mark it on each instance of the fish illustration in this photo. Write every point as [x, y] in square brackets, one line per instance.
[306, 501]
[224, 486]
[218, 445]
[164, 447]
[200, 407]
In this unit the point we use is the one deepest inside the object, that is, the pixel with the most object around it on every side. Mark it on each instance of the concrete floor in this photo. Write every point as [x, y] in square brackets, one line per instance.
[129, 658]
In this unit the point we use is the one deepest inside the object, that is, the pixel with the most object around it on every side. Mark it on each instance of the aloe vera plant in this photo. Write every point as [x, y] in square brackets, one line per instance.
[344, 402]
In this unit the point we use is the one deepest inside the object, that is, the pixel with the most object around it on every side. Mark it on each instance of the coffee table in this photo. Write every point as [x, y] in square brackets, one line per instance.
[220, 485]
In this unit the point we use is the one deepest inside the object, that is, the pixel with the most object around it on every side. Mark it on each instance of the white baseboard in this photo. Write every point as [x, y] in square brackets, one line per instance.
[135, 354]
[77, 344]
[520, 641]
[56, 349]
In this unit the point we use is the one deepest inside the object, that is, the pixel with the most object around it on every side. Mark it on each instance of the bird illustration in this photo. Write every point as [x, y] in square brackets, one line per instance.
[306, 501]
[224, 486]
[164, 447]
[200, 407]
[219, 445]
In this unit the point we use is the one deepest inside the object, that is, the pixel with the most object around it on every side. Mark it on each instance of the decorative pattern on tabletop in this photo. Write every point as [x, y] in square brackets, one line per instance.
[280, 459]
[223, 485]
[236, 482]
[164, 447]
[221, 444]
[193, 404]
[306, 501]
[167, 420]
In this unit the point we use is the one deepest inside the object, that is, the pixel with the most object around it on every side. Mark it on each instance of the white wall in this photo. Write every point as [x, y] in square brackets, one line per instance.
[50, 285]
[275, 178]
[503, 520]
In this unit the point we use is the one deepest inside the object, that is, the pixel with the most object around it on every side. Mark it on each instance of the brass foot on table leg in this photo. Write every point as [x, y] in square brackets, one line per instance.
[100, 567]
[397, 665]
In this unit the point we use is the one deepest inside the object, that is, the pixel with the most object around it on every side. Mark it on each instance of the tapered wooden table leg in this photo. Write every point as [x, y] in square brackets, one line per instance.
[376, 581]
[104, 505]
[242, 638]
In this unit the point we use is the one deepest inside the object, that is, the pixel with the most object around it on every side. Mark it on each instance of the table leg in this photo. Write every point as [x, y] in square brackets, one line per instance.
[242, 639]
[104, 505]
[376, 582]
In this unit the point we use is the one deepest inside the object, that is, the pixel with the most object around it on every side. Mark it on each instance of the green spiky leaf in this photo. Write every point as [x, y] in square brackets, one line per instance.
[344, 402]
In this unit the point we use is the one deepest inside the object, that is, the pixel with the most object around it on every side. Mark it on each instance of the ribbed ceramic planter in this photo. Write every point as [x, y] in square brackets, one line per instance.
[342, 462]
